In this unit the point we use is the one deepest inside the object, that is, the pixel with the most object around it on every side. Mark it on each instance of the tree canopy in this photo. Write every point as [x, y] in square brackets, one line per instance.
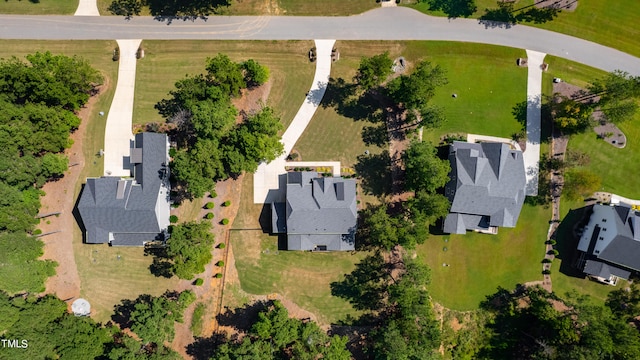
[189, 248]
[211, 145]
[424, 170]
[414, 91]
[374, 70]
[38, 98]
[580, 182]
[277, 336]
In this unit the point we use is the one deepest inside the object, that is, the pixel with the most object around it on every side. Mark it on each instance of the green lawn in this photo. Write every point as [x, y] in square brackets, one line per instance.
[38, 7]
[610, 23]
[283, 7]
[302, 277]
[479, 263]
[105, 278]
[165, 63]
[497, 85]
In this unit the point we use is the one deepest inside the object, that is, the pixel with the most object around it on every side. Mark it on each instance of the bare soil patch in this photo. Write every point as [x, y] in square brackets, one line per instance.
[211, 291]
[60, 198]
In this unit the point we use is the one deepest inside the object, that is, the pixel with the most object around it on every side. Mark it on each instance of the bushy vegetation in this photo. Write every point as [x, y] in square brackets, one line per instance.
[209, 205]
[38, 97]
[277, 336]
[211, 146]
[187, 251]
[153, 318]
[51, 332]
[197, 319]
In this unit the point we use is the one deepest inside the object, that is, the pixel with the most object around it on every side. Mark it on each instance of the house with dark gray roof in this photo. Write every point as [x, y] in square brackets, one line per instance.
[134, 211]
[319, 213]
[609, 246]
[486, 187]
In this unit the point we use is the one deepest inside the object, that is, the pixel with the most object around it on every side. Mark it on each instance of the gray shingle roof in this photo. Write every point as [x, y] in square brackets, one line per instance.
[132, 211]
[487, 180]
[318, 211]
[612, 236]
[600, 269]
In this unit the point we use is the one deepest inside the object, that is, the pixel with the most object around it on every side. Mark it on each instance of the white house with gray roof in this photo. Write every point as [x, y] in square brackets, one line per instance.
[486, 187]
[319, 213]
[130, 212]
[609, 247]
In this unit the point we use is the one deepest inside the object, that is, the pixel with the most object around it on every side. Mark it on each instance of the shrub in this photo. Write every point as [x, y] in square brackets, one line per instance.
[226, 203]
[209, 205]
[218, 276]
[37, 232]
[172, 152]
[198, 282]
[173, 219]
[546, 272]
[221, 246]
[209, 216]
[553, 252]
[546, 260]
[224, 221]
[213, 195]
[220, 263]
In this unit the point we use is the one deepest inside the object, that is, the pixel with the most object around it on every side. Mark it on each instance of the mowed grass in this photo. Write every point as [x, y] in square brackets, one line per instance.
[478, 263]
[302, 277]
[282, 7]
[616, 167]
[486, 79]
[107, 274]
[610, 23]
[166, 62]
[44, 7]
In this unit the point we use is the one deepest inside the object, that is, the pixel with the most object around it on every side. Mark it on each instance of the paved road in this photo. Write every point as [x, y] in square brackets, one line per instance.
[394, 23]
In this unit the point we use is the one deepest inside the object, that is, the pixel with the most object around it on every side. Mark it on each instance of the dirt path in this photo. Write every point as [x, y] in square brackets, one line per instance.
[60, 198]
[210, 293]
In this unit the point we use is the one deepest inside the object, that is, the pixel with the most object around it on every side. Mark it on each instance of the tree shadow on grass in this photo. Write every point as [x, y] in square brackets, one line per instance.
[204, 348]
[241, 319]
[374, 172]
[161, 266]
[454, 8]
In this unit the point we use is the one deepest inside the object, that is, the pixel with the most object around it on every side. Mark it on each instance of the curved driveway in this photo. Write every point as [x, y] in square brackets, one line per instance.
[394, 23]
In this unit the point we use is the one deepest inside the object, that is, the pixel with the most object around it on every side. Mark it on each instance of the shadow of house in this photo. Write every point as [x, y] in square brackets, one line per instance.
[319, 213]
[567, 241]
[130, 212]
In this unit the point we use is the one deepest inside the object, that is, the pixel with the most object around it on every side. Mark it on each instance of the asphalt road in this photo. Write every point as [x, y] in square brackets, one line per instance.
[393, 23]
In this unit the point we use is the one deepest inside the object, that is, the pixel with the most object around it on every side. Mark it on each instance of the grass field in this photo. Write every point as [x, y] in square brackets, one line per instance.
[283, 7]
[107, 274]
[37, 7]
[478, 263]
[165, 63]
[610, 23]
[302, 277]
[486, 79]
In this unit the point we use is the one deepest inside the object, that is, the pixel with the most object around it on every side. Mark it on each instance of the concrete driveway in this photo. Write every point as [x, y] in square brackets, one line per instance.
[118, 135]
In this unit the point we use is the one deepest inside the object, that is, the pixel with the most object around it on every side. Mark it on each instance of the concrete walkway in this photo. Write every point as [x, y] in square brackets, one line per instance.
[534, 105]
[475, 138]
[266, 178]
[118, 135]
[87, 8]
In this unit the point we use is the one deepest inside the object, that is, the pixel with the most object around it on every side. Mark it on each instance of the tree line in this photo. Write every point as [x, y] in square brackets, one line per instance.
[39, 96]
[210, 145]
